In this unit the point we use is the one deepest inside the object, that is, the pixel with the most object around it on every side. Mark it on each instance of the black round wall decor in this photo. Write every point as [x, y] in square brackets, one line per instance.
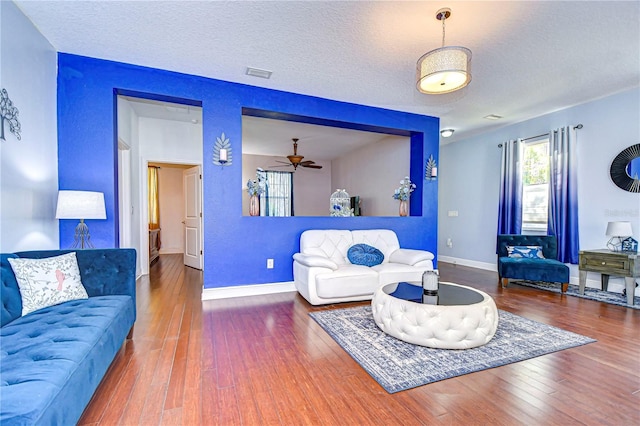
[618, 170]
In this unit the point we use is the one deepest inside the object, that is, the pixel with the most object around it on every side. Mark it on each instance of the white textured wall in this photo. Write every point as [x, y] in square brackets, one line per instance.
[470, 172]
[163, 141]
[29, 167]
[128, 132]
[312, 190]
[170, 141]
[373, 173]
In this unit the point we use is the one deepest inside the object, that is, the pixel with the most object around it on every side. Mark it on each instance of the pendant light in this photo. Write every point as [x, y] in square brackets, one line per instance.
[445, 69]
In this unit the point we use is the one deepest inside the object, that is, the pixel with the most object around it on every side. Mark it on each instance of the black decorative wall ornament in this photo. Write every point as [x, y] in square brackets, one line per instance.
[8, 113]
[621, 170]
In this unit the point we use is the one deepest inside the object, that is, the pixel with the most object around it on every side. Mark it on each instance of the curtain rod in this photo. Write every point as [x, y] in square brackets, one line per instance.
[576, 127]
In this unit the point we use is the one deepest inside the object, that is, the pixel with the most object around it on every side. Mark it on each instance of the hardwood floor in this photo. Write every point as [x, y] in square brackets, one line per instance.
[263, 360]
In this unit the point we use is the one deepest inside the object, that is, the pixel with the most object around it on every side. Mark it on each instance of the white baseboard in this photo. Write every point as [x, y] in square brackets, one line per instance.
[247, 290]
[466, 262]
[615, 286]
[175, 250]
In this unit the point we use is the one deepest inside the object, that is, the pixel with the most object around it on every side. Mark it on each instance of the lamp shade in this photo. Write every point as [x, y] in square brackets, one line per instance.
[619, 229]
[444, 70]
[80, 205]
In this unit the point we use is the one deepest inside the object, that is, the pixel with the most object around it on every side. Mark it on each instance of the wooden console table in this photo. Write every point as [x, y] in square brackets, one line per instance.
[154, 245]
[608, 263]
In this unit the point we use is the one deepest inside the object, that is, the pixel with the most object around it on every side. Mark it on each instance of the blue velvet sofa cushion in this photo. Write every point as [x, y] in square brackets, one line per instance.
[55, 357]
[52, 359]
[548, 270]
[11, 301]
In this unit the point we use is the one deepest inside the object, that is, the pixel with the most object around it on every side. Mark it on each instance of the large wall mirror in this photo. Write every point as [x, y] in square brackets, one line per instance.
[367, 164]
[625, 169]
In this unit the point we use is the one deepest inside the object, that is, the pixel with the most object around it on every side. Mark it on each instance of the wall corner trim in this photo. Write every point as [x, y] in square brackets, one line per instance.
[247, 290]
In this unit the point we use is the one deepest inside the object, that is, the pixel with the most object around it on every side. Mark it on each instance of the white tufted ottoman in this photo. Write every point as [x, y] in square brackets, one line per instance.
[465, 318]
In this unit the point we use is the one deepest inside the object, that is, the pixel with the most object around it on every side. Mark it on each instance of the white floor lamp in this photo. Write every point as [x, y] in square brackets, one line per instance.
[81, 205]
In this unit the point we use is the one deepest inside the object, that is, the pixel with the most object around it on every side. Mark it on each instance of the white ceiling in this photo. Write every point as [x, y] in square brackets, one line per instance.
[529, 57]
[315, 142]
[263, 136]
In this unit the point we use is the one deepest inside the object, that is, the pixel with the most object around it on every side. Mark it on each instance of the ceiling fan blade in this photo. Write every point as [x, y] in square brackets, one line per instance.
[311, 166]
[283, 162]
[307, 162]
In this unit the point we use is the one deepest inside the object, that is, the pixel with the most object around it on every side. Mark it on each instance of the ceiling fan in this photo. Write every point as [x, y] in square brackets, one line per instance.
[295, 160]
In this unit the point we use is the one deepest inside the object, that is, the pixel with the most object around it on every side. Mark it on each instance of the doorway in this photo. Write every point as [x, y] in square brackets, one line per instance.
[180, 213]
[168, 134]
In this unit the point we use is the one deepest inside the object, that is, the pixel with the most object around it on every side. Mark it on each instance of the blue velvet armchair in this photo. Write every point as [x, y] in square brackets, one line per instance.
[548, 269]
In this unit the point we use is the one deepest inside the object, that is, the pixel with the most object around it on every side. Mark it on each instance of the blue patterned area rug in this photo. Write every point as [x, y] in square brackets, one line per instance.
[398, 366]
[589, 293]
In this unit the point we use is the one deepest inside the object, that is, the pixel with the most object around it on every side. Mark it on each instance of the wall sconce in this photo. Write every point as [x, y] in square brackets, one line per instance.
[81, 205]
[222, 151]
[431, 171]
[445, 133]
[224, 155]
[618, 231]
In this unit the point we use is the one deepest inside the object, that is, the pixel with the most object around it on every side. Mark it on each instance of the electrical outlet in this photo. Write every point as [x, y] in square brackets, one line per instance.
[452, 213]
[449, 243]
[269, 263]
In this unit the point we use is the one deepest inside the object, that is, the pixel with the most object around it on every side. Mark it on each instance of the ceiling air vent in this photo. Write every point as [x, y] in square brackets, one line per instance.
[257, 72]
[493, 117]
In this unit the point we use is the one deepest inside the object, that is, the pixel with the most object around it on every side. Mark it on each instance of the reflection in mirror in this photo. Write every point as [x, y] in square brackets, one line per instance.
[367, 164]
[625, 169]
[633, 168]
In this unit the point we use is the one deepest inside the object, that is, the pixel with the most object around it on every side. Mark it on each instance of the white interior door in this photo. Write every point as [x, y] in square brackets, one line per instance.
[192, 182]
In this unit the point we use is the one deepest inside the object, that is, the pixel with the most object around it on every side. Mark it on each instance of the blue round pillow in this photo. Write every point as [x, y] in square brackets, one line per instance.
[363, 254]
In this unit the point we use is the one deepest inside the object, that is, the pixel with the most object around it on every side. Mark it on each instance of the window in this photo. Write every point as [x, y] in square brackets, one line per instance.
[278, 195]
[535, 187]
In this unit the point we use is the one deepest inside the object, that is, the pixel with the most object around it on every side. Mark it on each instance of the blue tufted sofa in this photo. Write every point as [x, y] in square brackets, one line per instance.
[548, 269]
[52, 359]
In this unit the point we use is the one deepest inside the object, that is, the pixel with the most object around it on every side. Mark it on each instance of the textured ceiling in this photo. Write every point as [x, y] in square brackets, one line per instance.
[529, 58]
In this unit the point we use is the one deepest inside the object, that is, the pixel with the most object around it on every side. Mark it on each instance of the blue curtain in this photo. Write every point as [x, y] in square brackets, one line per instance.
[278, 196]
[563, 193]
[510, 203]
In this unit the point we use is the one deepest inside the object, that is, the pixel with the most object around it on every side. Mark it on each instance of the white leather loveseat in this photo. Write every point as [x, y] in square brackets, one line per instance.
[323, 274]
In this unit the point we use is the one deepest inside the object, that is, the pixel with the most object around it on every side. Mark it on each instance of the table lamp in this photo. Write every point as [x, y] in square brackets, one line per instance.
[618, 231]
[81, 205]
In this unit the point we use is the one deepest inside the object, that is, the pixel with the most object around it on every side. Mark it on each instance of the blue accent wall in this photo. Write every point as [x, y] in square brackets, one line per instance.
[235, 247]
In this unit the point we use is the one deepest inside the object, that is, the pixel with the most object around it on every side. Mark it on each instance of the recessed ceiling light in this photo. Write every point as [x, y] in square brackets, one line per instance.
[257, 72]
[445, 133]
[493, 117]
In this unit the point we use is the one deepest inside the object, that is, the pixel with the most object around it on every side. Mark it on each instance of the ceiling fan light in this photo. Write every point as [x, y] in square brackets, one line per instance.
[444, 70]
[295, 159]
